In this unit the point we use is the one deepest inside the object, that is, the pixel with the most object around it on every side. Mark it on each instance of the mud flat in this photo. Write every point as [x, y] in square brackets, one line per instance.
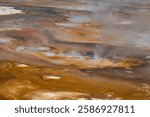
[74, 49]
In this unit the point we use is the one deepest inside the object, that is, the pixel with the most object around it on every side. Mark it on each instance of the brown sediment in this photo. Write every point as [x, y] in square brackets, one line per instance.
[23, 83]
[81, 34]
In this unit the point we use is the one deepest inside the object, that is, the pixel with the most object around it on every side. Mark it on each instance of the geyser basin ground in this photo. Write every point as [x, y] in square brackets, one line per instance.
[74, 49]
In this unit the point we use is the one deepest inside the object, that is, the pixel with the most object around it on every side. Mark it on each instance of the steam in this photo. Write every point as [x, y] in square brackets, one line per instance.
[124, 23]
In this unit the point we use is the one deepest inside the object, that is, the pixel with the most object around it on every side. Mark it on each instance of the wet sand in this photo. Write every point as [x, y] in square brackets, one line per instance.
[74, 50]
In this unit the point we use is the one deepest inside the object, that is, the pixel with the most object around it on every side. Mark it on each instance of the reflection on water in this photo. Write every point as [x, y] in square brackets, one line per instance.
[23, 48]
[87, 49]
